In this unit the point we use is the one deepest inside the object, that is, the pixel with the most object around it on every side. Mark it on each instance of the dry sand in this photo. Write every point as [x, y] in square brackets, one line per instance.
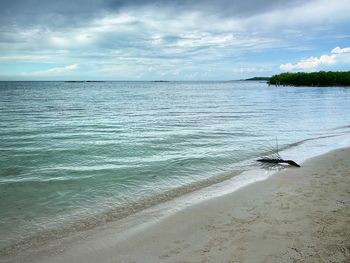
[297, 215]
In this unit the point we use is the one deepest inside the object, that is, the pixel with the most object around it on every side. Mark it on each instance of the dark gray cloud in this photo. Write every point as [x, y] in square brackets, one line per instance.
[34, 12]
[71, 12]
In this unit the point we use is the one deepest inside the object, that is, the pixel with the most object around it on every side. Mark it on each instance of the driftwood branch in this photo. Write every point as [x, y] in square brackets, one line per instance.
[275, 159]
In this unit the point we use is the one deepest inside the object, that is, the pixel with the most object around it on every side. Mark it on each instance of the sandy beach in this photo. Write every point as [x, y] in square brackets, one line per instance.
[297, 215]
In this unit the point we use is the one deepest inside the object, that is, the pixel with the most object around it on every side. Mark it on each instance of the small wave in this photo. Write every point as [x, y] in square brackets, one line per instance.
[267, 150]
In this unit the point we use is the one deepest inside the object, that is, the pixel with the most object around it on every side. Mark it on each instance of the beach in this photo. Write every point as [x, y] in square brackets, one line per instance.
[296, 215]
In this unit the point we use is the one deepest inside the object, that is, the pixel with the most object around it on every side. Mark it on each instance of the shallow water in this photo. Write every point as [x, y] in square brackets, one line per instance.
[72, 151]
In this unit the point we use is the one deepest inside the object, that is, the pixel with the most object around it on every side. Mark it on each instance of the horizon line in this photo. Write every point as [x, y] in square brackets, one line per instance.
[160, 81]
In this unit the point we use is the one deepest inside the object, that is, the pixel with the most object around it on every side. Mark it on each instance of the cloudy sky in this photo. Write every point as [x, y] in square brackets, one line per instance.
[171, 39]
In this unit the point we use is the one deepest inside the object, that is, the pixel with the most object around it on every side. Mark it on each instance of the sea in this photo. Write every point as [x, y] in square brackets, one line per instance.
[75, 155]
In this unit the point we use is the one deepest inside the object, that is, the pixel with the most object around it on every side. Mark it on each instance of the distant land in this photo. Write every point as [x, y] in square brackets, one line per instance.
[259, 79]
[313, 79]
[84, 81]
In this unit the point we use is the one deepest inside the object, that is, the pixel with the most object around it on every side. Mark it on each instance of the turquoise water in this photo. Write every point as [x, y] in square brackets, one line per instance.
[96, 151]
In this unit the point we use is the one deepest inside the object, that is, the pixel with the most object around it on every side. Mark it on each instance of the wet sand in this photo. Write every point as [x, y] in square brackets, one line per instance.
[297, 215]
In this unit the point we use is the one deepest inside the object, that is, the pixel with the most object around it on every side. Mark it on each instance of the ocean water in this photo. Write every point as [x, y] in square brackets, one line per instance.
[77, 154]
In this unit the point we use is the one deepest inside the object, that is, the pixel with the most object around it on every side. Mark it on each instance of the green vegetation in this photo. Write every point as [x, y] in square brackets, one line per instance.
[259, 78]
[318, 79]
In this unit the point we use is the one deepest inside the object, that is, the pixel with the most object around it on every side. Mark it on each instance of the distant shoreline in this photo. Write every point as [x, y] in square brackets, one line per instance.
[258, 79]
[313, 79]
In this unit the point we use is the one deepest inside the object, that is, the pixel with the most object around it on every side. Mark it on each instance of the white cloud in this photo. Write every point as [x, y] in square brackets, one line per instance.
[71, 39]
[53, 71]
[65, 69]
[338, 55]
[339, 50]
[245, 70]
[309, 64]
[24, 58]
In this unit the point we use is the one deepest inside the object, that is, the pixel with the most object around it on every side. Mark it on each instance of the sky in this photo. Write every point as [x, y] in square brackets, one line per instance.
[171, 39]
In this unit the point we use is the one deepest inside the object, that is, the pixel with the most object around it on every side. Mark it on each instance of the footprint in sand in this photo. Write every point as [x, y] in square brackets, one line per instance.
[179, 246]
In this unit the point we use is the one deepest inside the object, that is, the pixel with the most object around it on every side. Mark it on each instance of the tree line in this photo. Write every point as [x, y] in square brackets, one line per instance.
[318, 79]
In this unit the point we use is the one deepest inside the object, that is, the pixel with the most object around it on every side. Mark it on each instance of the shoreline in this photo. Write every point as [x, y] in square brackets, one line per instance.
[258, 220]
[183, 196]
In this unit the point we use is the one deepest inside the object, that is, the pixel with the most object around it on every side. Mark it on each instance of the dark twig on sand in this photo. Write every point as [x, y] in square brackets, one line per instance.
[275, 159]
